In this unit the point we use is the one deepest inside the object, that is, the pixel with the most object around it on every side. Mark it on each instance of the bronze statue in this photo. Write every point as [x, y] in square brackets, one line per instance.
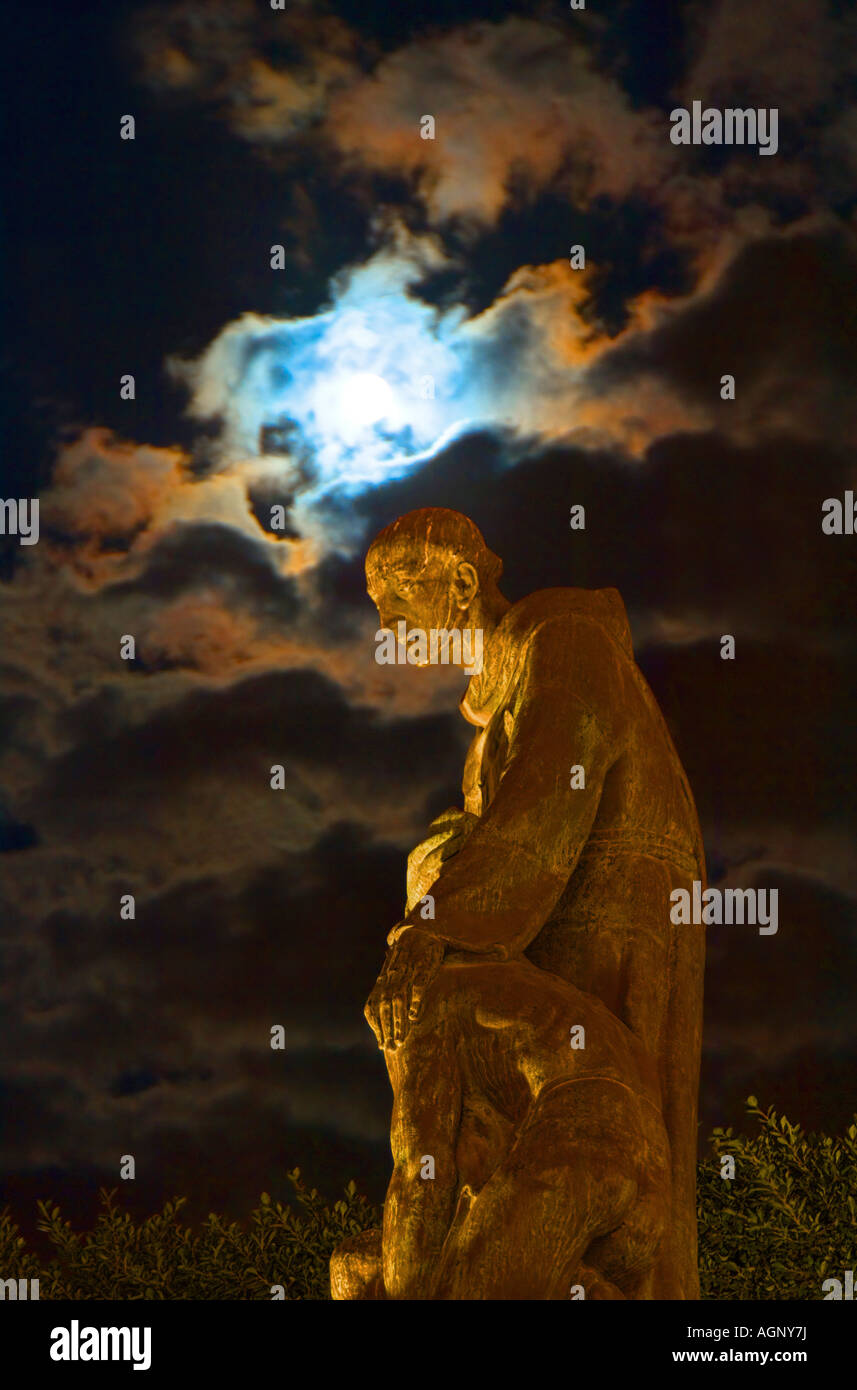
[539, 907]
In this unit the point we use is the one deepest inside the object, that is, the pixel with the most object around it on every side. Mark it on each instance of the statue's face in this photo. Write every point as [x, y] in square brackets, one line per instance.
[422, 599]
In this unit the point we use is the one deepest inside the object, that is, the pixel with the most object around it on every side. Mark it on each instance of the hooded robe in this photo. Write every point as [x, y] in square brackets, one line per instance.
[578, 878]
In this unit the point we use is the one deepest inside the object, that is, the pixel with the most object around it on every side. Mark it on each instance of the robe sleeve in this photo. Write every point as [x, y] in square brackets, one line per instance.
[494, 896]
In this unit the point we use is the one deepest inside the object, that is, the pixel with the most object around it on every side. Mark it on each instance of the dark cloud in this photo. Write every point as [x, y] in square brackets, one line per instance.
[212, 971]
[295, 714]
[781, 320]
[765, 736]
[705, 526]
[779, 1010]
[205, 554]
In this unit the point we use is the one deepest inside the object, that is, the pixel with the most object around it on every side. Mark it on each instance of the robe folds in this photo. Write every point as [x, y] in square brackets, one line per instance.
[577, 878]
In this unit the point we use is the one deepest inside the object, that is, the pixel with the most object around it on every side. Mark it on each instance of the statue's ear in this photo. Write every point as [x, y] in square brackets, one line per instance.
[465, 583]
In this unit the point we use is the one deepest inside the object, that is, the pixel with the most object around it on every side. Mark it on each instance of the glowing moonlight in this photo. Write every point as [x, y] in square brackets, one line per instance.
[366, 398]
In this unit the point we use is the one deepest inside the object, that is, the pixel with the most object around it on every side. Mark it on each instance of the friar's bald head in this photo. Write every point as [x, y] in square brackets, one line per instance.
[432, 536]
[432, 568]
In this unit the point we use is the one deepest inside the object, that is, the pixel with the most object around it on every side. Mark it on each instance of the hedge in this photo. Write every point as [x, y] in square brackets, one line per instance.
[785, 1222]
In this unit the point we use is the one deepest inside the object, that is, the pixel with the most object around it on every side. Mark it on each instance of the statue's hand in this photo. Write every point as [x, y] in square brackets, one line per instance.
[448, 833]
[396, 1000]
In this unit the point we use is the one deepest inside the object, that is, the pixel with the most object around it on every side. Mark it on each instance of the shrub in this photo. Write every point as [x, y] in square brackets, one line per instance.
[785, 1223]
[163, 1258]
[788, 1219]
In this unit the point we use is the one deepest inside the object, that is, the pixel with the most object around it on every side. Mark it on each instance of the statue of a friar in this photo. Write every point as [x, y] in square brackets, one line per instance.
[540, 1014]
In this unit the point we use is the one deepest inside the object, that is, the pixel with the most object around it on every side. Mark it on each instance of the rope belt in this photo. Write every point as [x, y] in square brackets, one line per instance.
[651, 846]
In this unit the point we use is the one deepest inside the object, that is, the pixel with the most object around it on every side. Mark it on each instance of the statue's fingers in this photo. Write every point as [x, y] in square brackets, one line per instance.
[417, 992]
[385, 1013]
[451, 816]
[400, 1024]
[371, 1016]
[422, 980]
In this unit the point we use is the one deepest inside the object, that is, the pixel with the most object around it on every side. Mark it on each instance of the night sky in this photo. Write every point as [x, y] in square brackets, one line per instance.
[403, 258]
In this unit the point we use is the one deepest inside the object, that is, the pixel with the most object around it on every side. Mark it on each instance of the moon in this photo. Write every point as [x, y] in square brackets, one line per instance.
[366, 398]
